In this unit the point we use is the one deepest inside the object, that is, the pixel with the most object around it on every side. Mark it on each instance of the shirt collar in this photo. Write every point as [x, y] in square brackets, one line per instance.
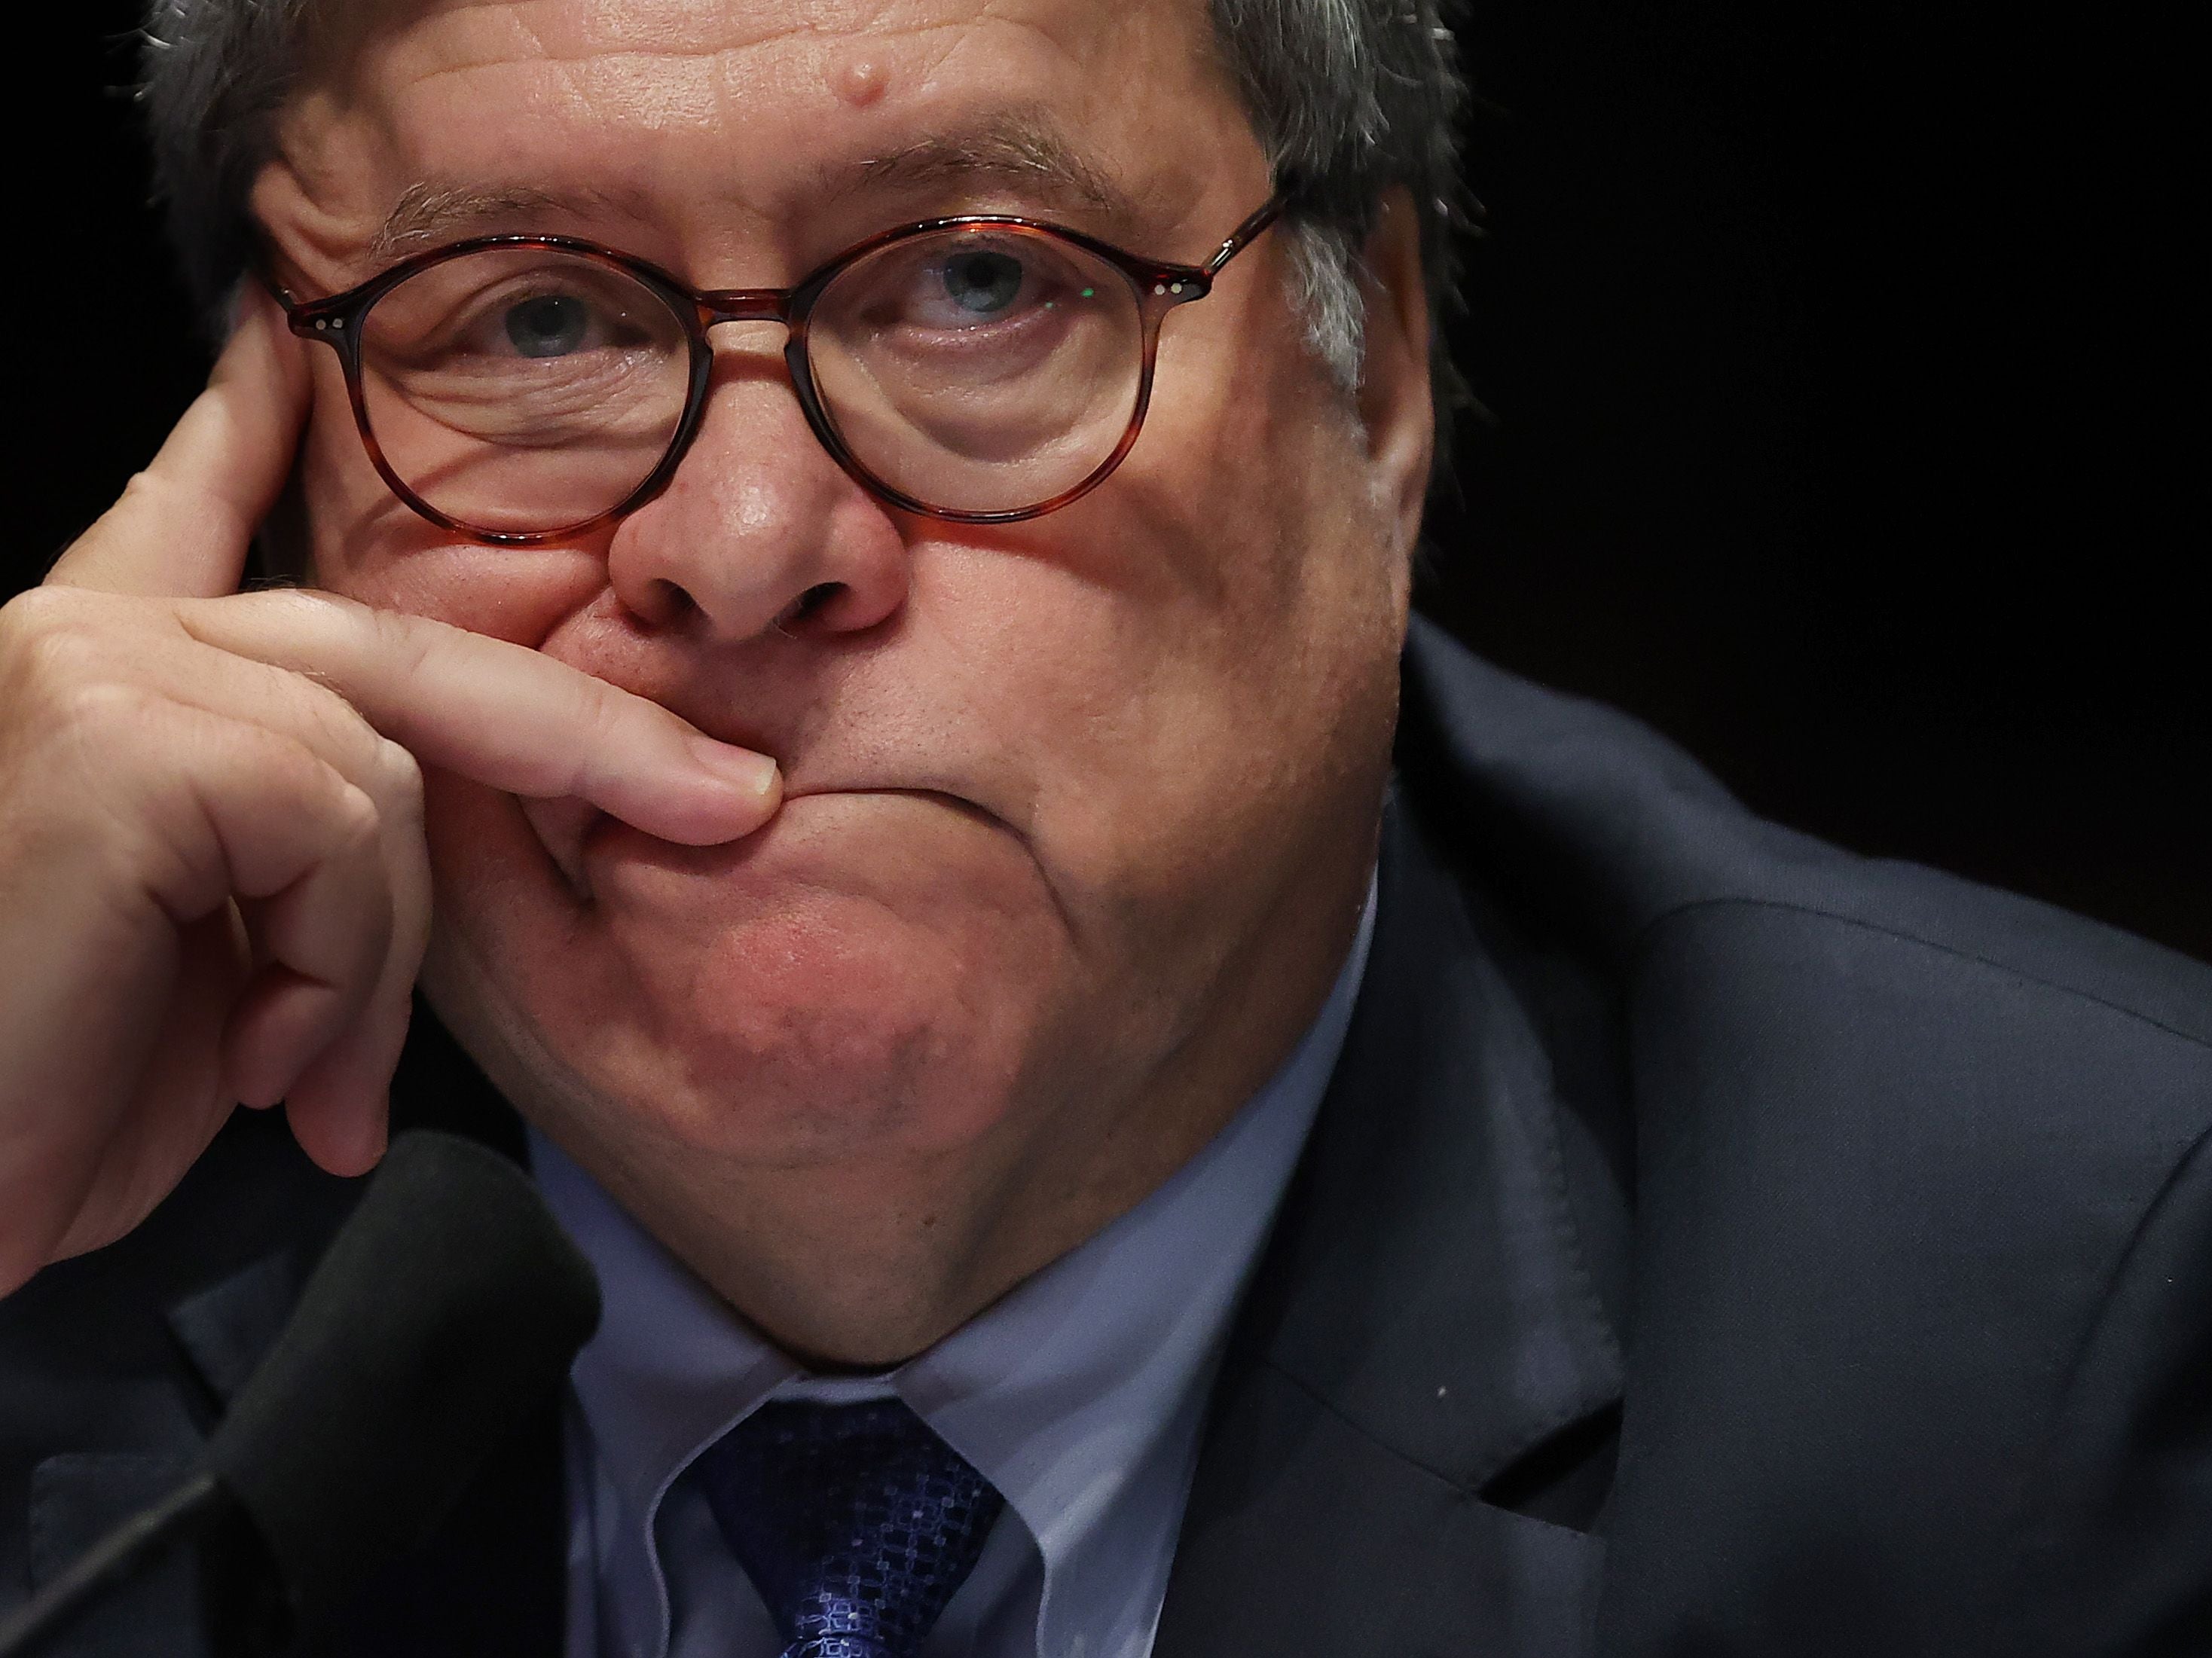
[1078, 1394]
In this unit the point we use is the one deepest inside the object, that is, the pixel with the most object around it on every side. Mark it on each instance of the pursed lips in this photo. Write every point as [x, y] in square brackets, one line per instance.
[567, 826]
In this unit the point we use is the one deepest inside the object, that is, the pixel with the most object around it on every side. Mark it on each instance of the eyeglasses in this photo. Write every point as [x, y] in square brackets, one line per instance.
[984, 369]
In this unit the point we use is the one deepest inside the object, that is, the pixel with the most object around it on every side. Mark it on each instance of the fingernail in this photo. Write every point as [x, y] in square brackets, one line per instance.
[755, 774]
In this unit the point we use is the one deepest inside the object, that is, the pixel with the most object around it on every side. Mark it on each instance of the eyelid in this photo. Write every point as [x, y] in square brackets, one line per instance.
[616, 301]
[1034, 254]
[821, 241]
[894, 273]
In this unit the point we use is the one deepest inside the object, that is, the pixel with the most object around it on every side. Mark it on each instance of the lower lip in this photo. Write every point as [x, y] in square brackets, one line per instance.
[804, 825]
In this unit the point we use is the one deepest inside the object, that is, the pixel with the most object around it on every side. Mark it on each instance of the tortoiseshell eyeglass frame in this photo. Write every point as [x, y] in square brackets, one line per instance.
[1158, 286]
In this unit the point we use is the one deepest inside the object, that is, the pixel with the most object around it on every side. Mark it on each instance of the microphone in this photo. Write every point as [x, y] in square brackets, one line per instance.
[446, 1308]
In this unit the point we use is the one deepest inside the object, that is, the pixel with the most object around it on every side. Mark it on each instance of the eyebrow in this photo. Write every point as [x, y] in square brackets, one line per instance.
[426, 213]
[1024, 149]
[1021, 149]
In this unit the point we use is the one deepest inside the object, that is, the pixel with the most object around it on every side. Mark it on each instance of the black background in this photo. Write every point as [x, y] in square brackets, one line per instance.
[1836, 416]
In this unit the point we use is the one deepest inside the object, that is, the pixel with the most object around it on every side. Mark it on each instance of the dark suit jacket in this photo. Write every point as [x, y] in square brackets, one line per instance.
[1712, 1243]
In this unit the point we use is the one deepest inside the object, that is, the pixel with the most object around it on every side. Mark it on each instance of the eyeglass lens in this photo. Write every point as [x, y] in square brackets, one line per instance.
[978, 369]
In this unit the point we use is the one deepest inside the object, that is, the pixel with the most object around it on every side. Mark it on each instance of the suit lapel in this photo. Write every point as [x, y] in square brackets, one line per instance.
[76, 1498]
[228, 1328]
[1422, 1333]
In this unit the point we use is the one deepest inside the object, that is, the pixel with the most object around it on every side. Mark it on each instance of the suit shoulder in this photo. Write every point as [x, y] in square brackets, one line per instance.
[1976, 935]
[1771, 990]
[1922, 1181]
[1614, 837]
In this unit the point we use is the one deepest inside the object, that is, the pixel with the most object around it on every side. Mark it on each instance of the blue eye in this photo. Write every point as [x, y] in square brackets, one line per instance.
[983, 282]
[551, 325]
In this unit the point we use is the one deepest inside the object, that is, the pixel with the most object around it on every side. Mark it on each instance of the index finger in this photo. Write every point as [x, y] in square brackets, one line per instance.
[182, 526]
[503, 713]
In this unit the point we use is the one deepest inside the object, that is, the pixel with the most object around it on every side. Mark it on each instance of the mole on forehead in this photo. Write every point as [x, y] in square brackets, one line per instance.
[859, 82]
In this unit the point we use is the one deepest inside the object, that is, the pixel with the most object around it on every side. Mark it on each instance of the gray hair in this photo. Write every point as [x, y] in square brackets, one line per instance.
[1349, 98]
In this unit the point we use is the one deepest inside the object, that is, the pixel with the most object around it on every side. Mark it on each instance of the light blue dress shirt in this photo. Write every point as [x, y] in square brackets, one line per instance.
[1081, 1395]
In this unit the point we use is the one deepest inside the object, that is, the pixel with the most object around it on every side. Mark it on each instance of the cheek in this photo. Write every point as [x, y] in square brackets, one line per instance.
[1261, 634]
[348, 508]
[1197, 718]
[1273, 671]
[1254, 475]
[365, 543]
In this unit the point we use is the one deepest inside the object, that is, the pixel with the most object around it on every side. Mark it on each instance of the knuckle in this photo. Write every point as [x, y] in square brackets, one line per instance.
[68, 668]
[604, 740]
[356, 822]
[98, 717]
[79, 732]
[609, 718]
[333, 725]
[396, 639]
[384, 768]
[399, 779]
[46, 636]
[141, 488]
[283, 772]
[37, 610]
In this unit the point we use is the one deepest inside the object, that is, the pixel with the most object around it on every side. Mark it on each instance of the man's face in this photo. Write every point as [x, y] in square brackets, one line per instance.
[1078, 811]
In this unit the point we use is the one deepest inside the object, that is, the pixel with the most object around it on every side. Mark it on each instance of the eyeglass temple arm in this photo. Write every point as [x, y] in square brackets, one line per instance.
[1246, 233]
[261, 268]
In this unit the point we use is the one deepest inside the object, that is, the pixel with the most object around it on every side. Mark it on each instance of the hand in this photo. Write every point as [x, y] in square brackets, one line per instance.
[213, 884]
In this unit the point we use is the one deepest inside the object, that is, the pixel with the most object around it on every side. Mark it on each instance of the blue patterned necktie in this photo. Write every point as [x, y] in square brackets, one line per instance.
[856, 1522]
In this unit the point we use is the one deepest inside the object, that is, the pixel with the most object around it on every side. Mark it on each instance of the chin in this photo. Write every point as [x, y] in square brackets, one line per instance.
[870, 973]
[796, 1024]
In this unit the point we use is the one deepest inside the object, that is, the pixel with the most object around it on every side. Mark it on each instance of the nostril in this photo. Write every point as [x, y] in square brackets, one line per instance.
[808, 602]
[660, 603]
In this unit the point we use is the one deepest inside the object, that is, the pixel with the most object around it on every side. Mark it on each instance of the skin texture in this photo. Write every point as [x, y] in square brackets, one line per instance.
[1077, 814]
[210, 824]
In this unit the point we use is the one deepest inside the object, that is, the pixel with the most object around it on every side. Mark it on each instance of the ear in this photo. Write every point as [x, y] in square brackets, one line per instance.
[1394, 403]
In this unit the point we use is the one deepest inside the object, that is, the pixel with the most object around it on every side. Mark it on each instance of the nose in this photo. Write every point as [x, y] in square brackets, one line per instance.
[760, 528]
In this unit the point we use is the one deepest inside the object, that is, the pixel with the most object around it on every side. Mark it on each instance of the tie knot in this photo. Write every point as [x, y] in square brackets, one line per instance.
[856, 1522]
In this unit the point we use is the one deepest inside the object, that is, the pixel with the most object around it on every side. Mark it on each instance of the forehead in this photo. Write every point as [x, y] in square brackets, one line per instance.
[758, 110]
